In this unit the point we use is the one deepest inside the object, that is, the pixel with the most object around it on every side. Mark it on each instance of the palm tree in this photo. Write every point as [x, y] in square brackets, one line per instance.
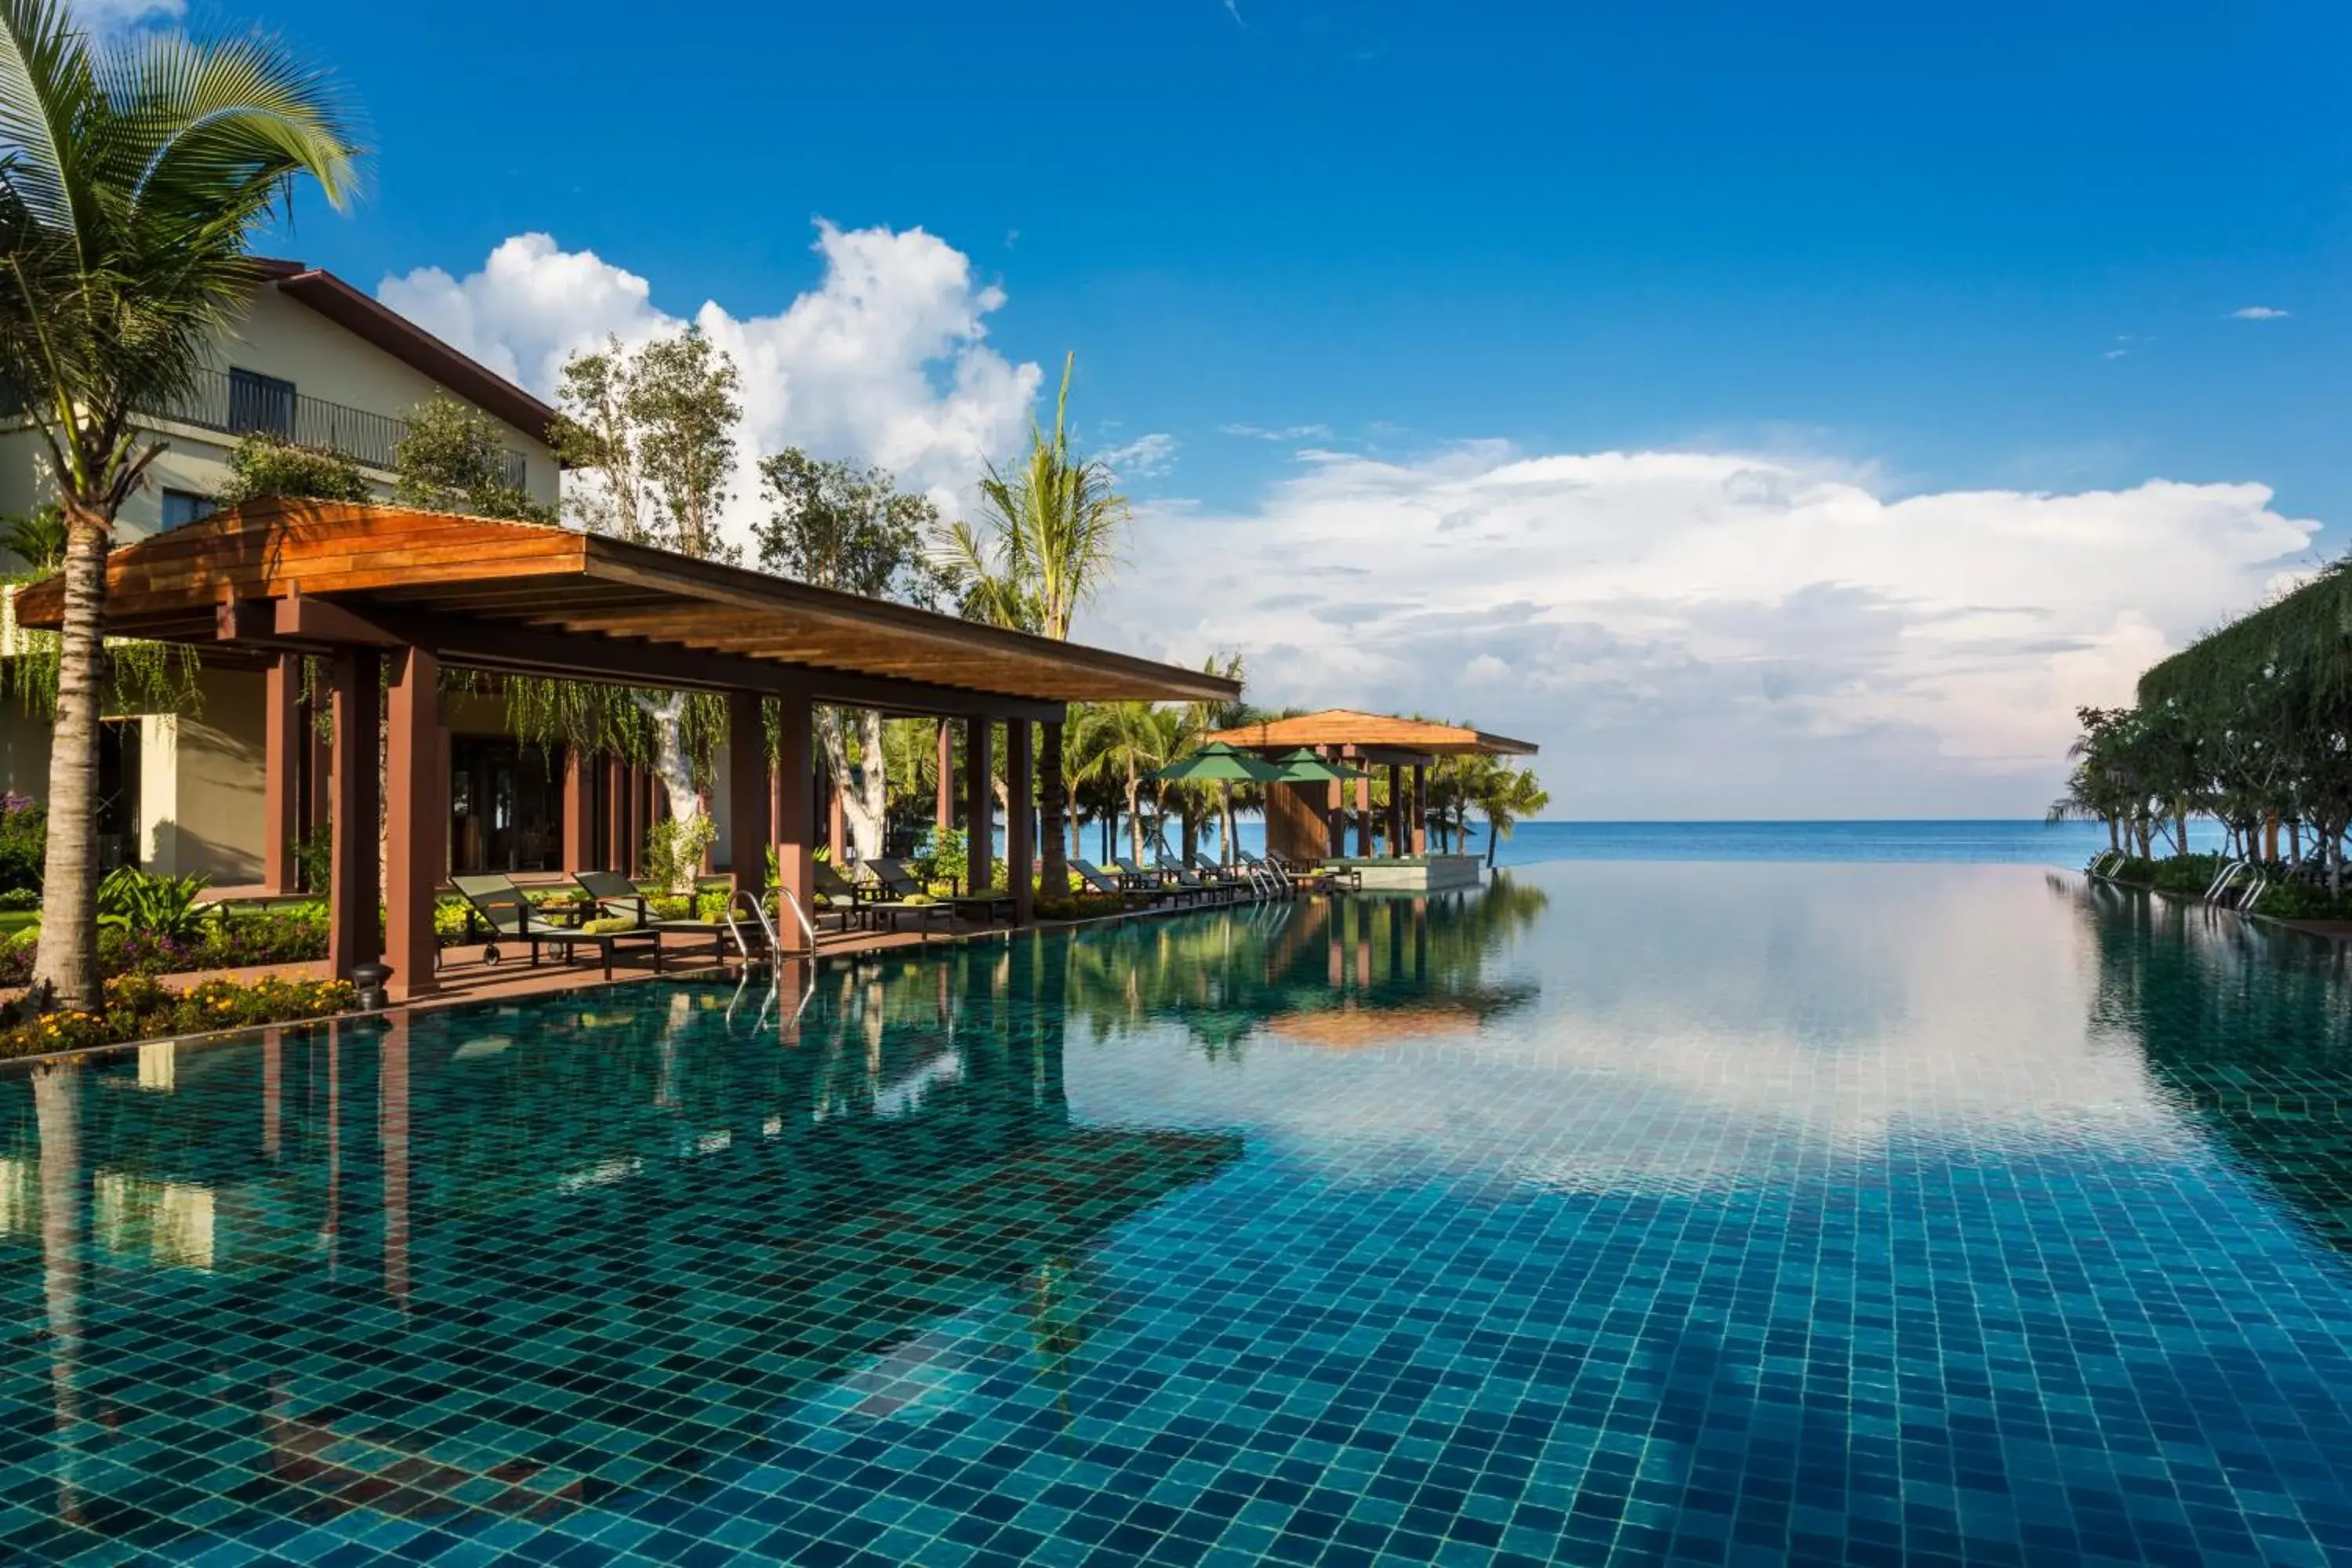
[1123, 743]
[131, 178]
[1505, 796]
[1049, 541]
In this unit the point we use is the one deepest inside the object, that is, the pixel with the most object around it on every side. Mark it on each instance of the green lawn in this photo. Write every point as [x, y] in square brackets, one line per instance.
[14, 921]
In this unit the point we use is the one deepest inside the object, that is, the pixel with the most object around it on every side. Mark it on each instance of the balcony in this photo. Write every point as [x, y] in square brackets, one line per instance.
[240, 405]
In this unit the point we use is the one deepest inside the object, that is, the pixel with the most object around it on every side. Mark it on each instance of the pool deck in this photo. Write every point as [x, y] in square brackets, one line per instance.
[464, 977]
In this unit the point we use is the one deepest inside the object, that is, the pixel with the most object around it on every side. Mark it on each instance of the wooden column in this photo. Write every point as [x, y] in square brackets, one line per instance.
[1021, 820]
[979, 804]
[835, 829]
[943, 808]
[352, 937]
[417, 814]
[579, 813]
[796, 805]
[616, 816]
[1420, 824]
[632, 818]
[1364, 810]
[282, 758]
[747, 794]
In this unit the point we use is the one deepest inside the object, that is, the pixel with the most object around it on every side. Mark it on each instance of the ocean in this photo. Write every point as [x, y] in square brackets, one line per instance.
[2068, 845]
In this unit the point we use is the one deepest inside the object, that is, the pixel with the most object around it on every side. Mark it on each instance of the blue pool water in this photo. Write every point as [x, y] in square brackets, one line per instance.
[1623, 1213]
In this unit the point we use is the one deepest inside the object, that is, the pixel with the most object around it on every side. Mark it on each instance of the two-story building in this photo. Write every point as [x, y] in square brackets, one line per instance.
[318, 361]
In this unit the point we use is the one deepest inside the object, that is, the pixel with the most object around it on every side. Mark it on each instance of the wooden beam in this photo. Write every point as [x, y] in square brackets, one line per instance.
[418, 807]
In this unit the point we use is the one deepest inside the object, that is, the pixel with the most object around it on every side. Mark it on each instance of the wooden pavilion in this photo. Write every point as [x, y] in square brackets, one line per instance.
[1308, 821]
[388, 595]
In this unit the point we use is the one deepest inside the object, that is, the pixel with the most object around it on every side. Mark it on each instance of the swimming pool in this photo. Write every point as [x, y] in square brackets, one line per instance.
[1634, 1213]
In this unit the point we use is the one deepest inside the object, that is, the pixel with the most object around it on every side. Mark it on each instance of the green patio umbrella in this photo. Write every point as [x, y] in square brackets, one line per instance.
[1227, 766]
[1222, 764]
[1303, 766]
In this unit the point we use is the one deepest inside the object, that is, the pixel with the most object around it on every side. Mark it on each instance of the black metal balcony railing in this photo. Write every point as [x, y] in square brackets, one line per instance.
[239, 406]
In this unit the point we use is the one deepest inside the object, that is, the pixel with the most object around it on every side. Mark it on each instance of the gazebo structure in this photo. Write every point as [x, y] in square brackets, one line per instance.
[1308, 821]
[388, 596]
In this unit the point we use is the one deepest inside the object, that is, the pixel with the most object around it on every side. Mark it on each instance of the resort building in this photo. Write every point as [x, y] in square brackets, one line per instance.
[316, 361]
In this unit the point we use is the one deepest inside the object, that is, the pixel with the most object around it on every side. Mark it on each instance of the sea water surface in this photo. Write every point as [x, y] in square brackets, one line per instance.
[1960, 841]
[1620, 1212]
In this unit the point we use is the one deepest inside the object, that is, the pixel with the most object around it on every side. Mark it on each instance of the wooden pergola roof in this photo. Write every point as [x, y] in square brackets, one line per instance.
[522, 598]
[1344, 727]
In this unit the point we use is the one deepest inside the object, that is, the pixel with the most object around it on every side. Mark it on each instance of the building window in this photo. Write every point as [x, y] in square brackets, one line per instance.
[260, 402]
[183, 507]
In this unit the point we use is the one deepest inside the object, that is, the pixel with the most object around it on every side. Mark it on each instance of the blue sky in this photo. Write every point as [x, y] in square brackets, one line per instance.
[1916, 252]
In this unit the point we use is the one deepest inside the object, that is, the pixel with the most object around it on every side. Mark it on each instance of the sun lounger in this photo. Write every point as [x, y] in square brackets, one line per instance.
[889, 895]
[496, 903]
[1098, 880]
[616, 895]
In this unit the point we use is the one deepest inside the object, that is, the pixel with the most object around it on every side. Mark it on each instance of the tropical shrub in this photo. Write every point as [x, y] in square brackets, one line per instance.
[20, 899]
[264, 464]
[674, 851]
[139, 1007]
[24, 841]
[129, 900]
[941, 855]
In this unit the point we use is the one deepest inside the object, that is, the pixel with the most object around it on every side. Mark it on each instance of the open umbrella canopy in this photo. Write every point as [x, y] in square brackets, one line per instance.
[1303, 766]
[1219, 763]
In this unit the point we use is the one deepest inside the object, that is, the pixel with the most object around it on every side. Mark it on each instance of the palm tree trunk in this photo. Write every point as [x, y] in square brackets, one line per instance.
[65, 966]
[1227, 854]
[1134, 815]
[1493, 839]
[2115, 836]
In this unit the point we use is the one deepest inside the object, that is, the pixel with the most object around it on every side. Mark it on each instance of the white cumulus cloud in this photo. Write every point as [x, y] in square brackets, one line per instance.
[2258, 313]
[1707, 633]
[886, 360]
[106, 17]
[1145, 457]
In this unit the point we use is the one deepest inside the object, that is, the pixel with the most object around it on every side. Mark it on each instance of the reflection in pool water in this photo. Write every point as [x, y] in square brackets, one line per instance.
[1620, 1212]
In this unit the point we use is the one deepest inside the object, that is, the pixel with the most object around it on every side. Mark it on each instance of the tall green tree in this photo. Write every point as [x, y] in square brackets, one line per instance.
[1047, 541]
[651, 432]
[132, 177]
[836, 525]
[452, 458]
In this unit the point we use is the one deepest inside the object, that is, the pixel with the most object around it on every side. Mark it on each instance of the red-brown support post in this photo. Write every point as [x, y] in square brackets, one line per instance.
[943, 807]
[632, 818]
[979, 804]
[835, 829]
[795, 804]
[616, 816]
[352, 935]
[1021, 820]
[1396, 811]
[417, 799]
[281, 764]
[1363, 809]
[1420, 809]
[579, 813]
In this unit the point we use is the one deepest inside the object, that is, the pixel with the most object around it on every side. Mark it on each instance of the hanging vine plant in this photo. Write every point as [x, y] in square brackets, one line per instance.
[142, 677]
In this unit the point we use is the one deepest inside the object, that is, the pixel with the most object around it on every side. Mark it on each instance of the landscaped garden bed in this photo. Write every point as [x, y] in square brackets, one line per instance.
[142, 1007]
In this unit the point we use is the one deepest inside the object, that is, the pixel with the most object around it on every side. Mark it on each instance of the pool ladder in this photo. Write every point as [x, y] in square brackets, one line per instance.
[775, 947]
[2104, 866]
[2238, 885]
